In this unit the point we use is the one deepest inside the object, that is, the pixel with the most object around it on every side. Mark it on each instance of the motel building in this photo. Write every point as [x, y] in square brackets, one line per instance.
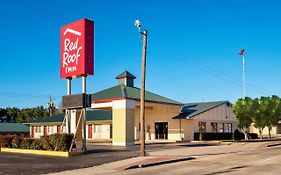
[114, 116]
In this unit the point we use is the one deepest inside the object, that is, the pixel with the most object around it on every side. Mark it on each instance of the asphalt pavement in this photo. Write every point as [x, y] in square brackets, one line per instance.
[99, 153]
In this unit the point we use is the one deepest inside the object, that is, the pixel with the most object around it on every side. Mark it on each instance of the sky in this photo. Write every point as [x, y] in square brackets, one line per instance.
[192, 51]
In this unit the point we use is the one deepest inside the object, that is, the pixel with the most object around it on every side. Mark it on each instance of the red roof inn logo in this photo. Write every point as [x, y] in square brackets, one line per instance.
[77, 49]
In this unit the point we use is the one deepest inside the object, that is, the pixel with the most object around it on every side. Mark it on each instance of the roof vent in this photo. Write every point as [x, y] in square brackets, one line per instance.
[126, 78]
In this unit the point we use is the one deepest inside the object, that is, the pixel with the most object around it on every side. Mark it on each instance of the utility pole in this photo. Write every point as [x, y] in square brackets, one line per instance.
[51, 105]
[142, 91]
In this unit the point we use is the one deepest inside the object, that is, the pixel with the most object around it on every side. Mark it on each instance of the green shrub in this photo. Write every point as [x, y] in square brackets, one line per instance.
[237, 135]
[54, 142]
[65, 142]
[16, 141]
[26, 143]
[46, 144]
[223, 136]
[36, 144]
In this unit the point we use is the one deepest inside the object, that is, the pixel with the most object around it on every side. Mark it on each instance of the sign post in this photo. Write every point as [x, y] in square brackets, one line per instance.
[76, 60]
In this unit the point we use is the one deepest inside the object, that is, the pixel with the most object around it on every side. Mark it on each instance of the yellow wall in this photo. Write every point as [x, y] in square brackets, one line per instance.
[123, 122]
[158, 113]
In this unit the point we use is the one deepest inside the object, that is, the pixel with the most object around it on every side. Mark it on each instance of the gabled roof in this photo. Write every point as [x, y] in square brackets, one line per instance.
[125, 74]
[190, 110]
[13, 128]
[126, 92]
[92, 115]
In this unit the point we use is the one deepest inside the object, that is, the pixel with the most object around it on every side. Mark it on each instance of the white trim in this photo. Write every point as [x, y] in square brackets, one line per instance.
[123, 144]
[101, 105]
[124, 104]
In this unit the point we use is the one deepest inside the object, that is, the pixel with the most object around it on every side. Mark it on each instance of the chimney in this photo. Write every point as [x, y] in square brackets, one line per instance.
[126, 78]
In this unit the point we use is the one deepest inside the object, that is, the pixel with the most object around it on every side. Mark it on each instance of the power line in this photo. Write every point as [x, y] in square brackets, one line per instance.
[216, 73]
[24, 95]
[233, 78]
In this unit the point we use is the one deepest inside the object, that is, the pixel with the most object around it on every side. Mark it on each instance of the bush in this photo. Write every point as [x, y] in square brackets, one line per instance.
[237, 135]
[16, 141]
[46, 144]
[36, 144]
[6, 141]
[65, 142]
[54, 142]
[26, 143]
[212, 136]
[253, 135]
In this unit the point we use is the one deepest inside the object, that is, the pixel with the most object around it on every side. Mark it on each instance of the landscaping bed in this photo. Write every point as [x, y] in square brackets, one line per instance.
[54, 145]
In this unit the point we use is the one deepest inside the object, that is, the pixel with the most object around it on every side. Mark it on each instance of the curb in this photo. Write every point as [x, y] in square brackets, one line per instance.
[272, 145]
[159, 163]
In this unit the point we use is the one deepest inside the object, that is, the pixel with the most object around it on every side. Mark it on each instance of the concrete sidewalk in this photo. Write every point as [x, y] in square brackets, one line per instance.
[132, 163]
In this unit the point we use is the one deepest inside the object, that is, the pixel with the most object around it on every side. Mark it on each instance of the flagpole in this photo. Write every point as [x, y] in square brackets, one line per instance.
[244, 77]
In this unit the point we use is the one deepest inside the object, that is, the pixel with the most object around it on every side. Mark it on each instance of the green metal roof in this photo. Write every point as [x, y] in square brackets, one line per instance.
[190, 110]
[92, 115]
[125, 74]
[122, 91]
[14, 128]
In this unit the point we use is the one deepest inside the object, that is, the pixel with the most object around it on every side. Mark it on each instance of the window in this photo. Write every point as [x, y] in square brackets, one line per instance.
[221, 127]
[98, 128]
[50, 129]
[229, 127]
[214, 127]
[202, 126]
[38, 129]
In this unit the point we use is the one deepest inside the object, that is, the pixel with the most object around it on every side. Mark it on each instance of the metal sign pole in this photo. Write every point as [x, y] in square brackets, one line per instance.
[84, 145]
[67, 128]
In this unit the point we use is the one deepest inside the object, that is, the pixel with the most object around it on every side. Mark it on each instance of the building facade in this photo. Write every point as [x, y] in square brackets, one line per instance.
[98, 124]
[211, 117]
[115, 112]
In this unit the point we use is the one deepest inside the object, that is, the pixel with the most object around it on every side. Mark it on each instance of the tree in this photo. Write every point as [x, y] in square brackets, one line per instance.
[244, 111]
[260, 108]
[274, 113]
[8, 114]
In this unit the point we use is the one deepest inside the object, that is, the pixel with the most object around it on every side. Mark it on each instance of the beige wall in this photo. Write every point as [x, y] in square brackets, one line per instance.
[275, 130]
[182, 129]
[187, 126]
[220, 114]
[103, 135]
[158, 113]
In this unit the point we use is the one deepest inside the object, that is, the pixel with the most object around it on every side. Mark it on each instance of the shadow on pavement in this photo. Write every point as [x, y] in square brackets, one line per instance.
[226, 171]
[199, 145]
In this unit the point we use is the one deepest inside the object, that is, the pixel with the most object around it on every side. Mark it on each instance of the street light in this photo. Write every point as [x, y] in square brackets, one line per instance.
[142, 92]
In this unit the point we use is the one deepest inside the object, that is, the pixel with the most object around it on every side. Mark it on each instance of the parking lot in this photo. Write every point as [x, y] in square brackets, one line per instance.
[22, 164]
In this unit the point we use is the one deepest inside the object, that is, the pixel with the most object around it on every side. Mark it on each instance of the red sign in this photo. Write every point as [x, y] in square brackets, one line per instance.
[77, 49]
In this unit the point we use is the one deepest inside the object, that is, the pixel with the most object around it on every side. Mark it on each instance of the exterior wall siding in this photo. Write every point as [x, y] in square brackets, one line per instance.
[220, 114]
